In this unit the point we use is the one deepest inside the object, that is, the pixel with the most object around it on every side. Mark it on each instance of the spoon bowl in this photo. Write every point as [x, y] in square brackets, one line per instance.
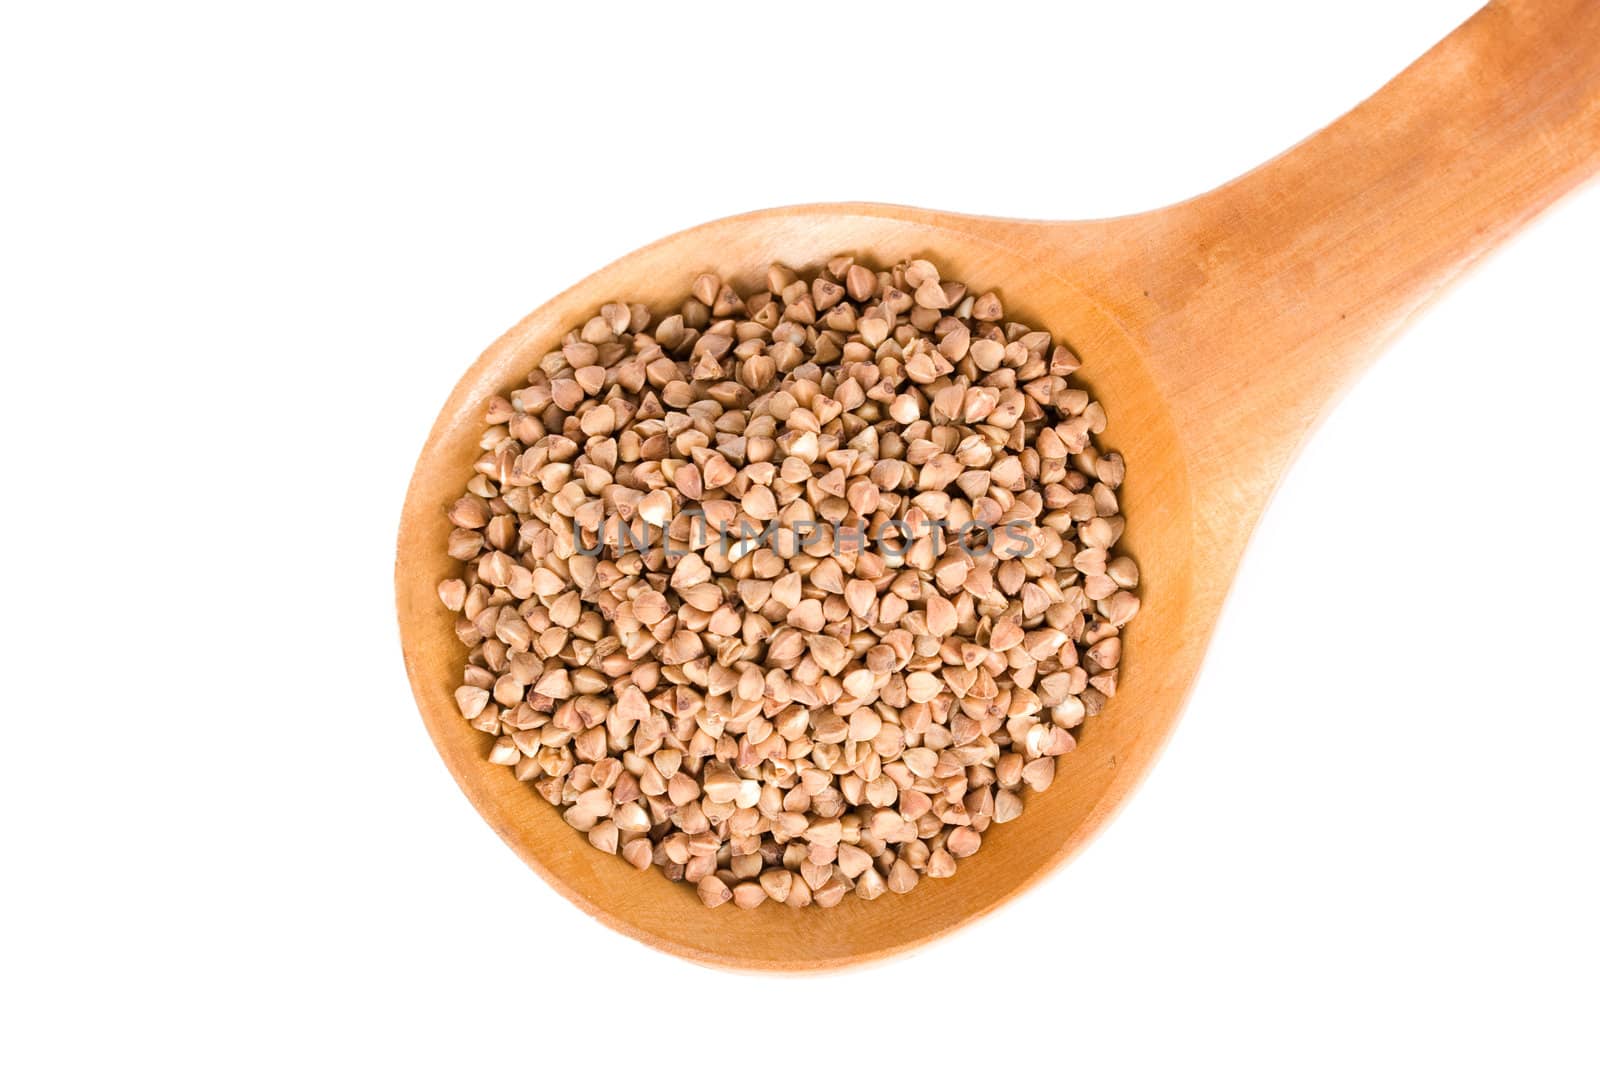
[1216, 332]
[1114, 749]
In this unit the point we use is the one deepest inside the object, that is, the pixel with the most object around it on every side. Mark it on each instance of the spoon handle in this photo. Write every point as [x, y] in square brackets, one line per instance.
[1290, 278]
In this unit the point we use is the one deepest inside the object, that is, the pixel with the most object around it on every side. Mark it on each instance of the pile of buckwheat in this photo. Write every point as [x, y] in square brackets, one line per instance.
[791, 593]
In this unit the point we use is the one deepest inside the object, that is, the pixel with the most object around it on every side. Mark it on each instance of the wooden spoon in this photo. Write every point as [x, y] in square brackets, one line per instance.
[1217, 332]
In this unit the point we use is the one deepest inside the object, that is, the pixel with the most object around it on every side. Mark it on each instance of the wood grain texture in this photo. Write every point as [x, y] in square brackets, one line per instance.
[1217, 332]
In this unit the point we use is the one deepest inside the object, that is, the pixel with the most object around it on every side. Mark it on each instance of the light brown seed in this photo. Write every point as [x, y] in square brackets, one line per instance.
[870, 886]
[721, 785]
[604, 836]
[637, 853]
[860, 283]
[749, 895]
[776, 883]
[1039, 773]
[853, 861]
[860, 595]
[1007, 806]
[453, 593]
[713, 891]
[941, 615]
[902, 877]
[923, 686]
[963, 842]
[920, 761]
[655, 507]
[470, 512]
[831, 894]
[1120, 608]
[865, 723]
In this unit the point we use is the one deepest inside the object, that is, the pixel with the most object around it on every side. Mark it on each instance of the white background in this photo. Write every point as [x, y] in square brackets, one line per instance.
[247, 252]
